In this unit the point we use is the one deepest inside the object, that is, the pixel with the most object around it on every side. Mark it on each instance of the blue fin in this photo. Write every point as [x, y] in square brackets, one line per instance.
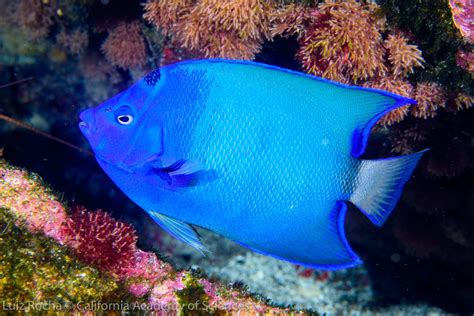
[379, 184]
[183, 174]
[337, 246]
[360, 135]
[179, 230]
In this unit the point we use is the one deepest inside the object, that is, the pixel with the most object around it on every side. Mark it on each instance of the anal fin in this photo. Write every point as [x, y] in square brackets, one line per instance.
[326, 248]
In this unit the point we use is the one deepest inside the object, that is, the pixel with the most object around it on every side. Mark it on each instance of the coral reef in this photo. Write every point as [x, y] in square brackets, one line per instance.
[462, 16]
[343, 43]
[465, 60]
[211, 28]
[106, 262]
[430, 97]
[403, 57]
[99, 239]
[36, 271]
[125, 46]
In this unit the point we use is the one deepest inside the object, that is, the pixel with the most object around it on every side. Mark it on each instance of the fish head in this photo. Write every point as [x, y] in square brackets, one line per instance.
[121, 132]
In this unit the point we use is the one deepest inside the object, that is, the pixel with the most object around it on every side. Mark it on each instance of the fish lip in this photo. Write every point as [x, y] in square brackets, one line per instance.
[85, 126]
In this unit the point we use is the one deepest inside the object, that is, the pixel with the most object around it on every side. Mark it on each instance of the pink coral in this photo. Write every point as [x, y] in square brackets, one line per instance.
[163, 295]
[465, 60]
[165, 14]
[33, 205]
[99, 239]
[462, 11]
[463, 101]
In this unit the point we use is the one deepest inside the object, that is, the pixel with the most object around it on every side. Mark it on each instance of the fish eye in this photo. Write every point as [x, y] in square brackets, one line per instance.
[125, 119]
[124, 115]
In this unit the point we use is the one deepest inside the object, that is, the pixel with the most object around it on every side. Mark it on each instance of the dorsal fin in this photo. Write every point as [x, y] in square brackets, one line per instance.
[351, 111]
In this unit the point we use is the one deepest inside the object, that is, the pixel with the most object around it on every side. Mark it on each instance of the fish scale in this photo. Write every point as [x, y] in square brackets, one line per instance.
[261, 155]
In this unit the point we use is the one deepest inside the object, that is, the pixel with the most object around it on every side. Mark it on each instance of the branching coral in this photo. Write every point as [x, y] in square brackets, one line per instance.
[463, 101]
[465, 60]
[165, 14]
[213, 28]
[290, 20]
[125, 46]
[402, 56]
[430, 97]
[99, 240]
[343, 43]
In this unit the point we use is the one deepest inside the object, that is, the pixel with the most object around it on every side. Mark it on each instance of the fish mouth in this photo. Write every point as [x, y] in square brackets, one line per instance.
[87, 122]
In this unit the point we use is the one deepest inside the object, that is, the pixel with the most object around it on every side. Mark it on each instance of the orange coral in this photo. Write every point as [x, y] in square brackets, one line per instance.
[125, 46]
[397, 86]
[430, 97]
[463, 101]
[215, 28]
[165, 14]
[290, 20]
[402, 56]
[343, 43]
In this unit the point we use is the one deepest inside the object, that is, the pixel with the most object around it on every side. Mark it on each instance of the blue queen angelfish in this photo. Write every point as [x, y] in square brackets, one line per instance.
[264, 156]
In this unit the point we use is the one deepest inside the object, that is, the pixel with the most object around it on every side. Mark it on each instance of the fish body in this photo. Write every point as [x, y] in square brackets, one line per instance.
[264, 156]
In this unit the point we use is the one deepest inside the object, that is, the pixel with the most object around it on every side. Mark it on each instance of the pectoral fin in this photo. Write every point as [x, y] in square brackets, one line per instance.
[183, 174]
[179, 230]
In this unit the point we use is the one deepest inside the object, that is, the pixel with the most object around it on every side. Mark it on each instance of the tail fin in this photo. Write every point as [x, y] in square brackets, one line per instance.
[379, 184]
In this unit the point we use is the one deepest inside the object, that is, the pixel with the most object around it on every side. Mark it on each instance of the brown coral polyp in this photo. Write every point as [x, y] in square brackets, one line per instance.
[214, 28]
[343, 43]
[403, 57]
[125, 46]
[430, 97]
